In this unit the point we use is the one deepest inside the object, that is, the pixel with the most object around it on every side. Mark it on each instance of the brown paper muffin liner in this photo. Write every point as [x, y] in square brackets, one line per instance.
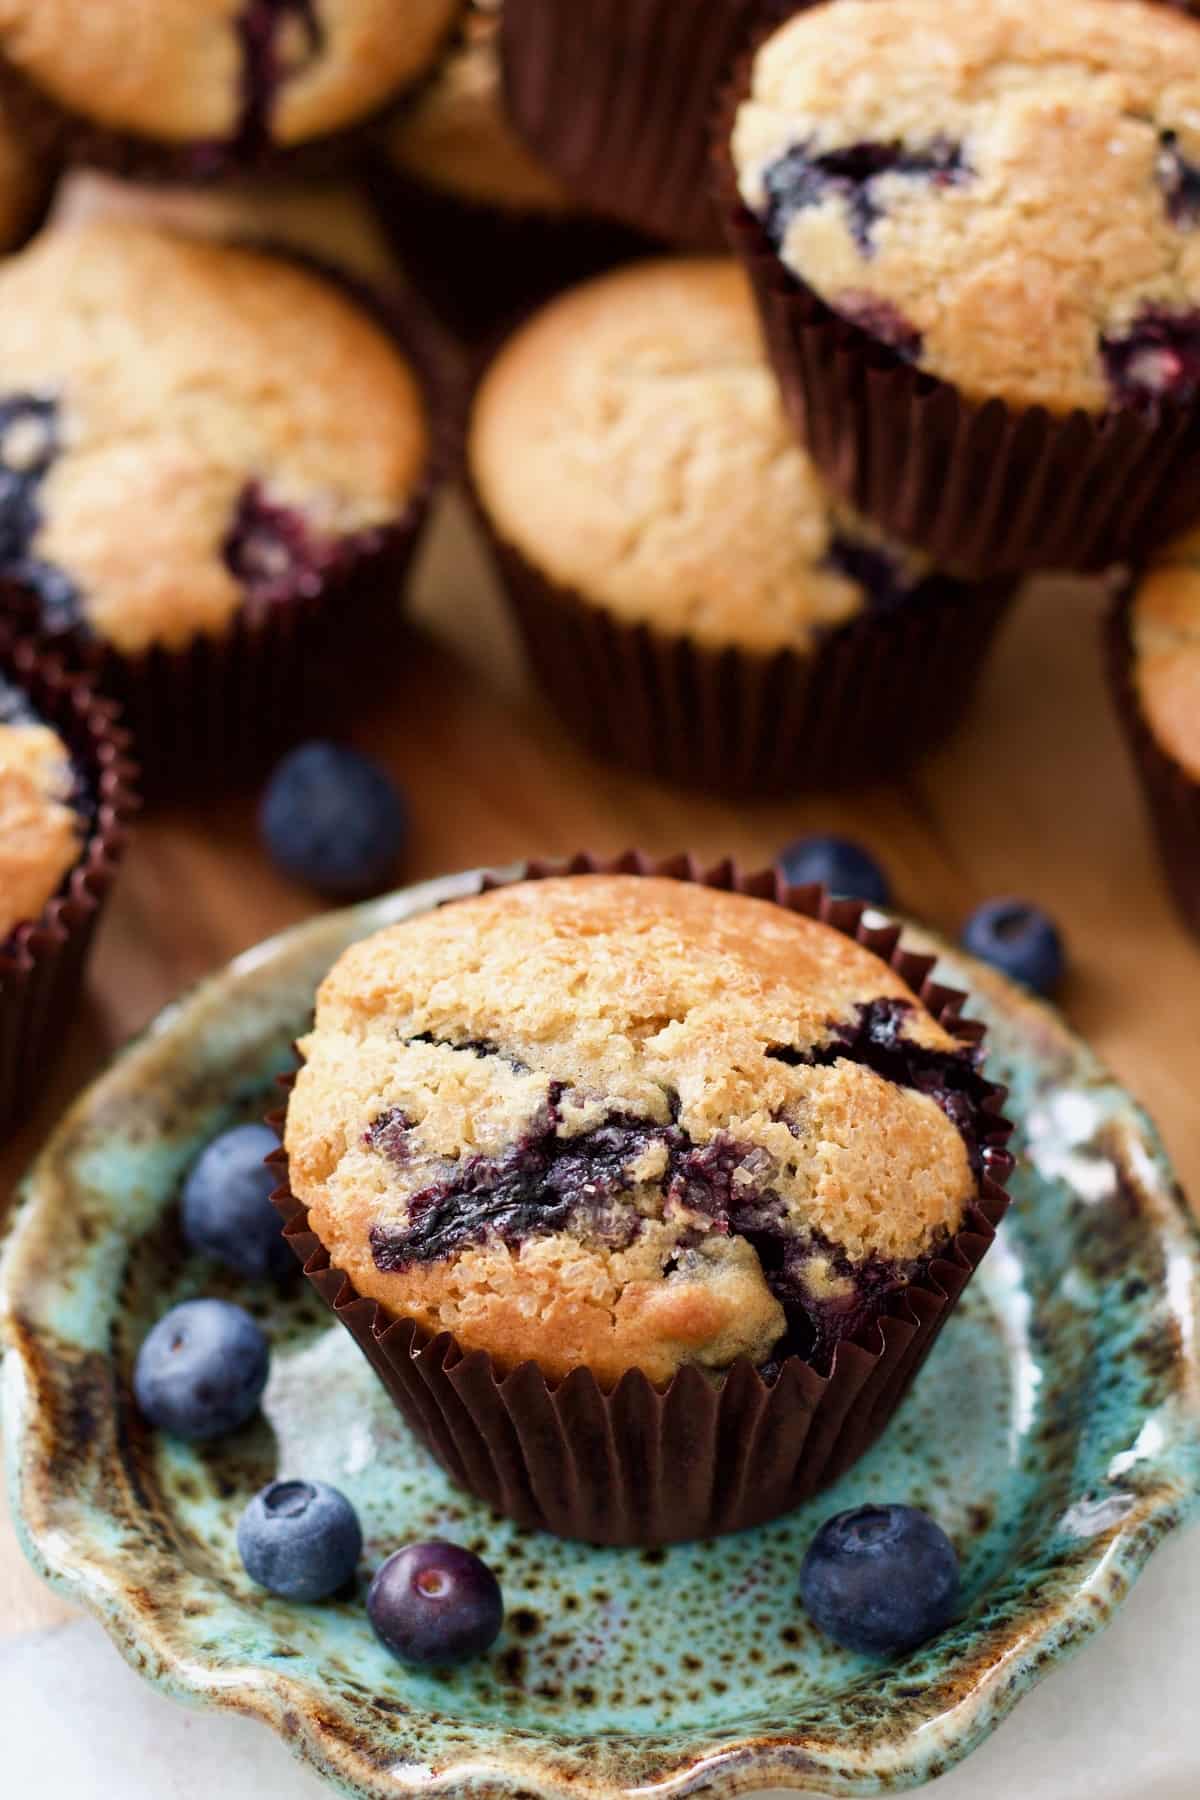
[982, 487]
[221, 707]
[1172, 796]
[701, 1455]
[867, 700]
[42, 961]
[479, 267]
[616, 95]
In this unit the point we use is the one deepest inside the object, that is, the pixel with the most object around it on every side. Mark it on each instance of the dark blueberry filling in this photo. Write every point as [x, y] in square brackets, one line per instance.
[1158, 360]
[875, 570]
[29, 444]
[261, 29]
[546, 1182]
[538, 1187]
[388, 1133]
[1180, 183]
[274, 554]
[799, 180]
[472, 1047]
[874, 1039]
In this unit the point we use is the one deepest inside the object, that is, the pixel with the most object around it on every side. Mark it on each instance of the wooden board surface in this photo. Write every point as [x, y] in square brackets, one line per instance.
[1035, 797]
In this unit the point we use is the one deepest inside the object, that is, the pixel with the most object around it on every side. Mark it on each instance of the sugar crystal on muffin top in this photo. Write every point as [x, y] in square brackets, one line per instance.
[620, 1122]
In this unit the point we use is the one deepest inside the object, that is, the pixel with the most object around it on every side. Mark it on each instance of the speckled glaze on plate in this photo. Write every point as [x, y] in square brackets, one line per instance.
[1055, 1433]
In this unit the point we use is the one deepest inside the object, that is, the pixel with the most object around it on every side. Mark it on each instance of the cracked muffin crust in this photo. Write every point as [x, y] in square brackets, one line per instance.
[456, 135]
[1008, 196]
[630, 443]
[41, 823]
[1164, 629]
[223, 80]
[188, 429]
[624, 1122]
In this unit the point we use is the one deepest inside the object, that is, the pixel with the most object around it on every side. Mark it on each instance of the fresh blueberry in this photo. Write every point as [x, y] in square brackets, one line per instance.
[435, 1603]
[301, 1539]
[227, 1209]
[843, 867]
[1017, 938]
[880, 1579]
[332, 819]
[202, 1369]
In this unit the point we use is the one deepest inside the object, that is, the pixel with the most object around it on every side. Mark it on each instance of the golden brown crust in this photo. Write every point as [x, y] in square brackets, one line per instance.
[1165, 628]
[1058, 235]
[174, 70]
[630, 442]
[633, 1019]
[40, 831]
[185, 373]
[456, 135]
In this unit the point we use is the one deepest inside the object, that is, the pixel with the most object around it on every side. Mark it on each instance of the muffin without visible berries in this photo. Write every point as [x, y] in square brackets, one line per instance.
[484, 228]
[66, 797]
[1155, 661]
[1005, 198]
[208, 454]
[602, 1123]
[693, 598]
[192, 89]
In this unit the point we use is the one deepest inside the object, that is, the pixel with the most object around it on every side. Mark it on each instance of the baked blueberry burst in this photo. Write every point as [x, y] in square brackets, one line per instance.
[29, 446]
[608, 1182]
[852, 177]
[1157, 359]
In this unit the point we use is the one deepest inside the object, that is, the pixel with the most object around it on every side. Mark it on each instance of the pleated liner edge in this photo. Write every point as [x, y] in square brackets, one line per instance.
[982, 487]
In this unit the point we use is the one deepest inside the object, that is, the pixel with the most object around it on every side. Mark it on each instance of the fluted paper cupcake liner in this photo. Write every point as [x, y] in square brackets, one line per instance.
[982, 487]
[478, 267]
[220, 707]
[616, 97]
[869, 698]
[42, 961]
[700, 1455]
[1172, 796]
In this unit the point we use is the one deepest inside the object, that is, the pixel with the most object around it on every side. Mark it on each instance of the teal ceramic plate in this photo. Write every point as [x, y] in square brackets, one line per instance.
[1055, 1433]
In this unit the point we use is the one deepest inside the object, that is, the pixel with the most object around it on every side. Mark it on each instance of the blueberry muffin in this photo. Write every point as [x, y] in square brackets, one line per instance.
[617, 1122]
[192, 88]
[637, 475]
[42, 822]
[66, 798]
[200, 446]
[1155, 662]
[459, 191]
[1005, 198]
